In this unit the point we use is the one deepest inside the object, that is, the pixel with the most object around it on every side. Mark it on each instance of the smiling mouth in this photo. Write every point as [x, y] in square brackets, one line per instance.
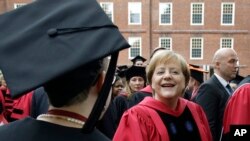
[167, 85]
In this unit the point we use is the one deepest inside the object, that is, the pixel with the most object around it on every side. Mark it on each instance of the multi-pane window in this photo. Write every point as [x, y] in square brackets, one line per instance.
[135, 48]
[226, 42]
[165, 13]
[165, 42]
[196, 48]
[17, 5]
[197, 13]
[227, 13]
[134, 12]
[108, 9]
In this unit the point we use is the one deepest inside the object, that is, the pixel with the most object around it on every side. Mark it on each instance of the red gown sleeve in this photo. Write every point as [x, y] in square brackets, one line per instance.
[135, 125]
[237, 110]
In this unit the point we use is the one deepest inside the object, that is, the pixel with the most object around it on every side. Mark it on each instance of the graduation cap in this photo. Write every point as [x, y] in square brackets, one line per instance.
[135, 71]
[197, 72]
[121, 70]
[138, 58]
[46, 39]
[122, 67]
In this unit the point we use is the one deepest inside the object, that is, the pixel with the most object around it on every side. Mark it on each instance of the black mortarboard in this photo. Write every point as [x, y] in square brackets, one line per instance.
[135, 71]
[121, 70]
[46, 39]
[122, 67]
[197, 72]
[138, 58]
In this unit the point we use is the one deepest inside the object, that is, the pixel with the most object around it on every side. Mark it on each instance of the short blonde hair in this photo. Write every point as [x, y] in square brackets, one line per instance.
[164, 57]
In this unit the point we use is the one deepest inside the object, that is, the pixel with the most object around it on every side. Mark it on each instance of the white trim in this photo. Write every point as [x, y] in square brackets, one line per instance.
[140, 46]
[159, 44]
[162, 4]
[232, 41]
[138, 5]
[202, 46]
[112, 8]
[202, 16]
[233, 14]
[17, 5]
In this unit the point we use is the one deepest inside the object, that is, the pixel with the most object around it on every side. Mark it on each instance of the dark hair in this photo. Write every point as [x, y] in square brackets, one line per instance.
[74, 85]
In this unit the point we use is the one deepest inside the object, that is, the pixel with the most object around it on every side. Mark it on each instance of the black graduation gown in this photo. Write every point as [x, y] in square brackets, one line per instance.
[110, 121]
[35, 130]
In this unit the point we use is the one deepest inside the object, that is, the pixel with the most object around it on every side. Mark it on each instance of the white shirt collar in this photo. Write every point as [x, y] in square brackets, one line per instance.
[222, 81]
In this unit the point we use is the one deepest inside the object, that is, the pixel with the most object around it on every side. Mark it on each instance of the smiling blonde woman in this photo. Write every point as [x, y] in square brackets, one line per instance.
[165, 116]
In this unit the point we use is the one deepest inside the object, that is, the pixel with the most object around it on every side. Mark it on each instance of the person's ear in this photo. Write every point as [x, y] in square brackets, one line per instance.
[100, 81]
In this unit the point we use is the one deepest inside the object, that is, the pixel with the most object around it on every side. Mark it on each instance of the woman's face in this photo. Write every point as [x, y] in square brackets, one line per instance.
[136, 83]
[168, 81]
[117, 87]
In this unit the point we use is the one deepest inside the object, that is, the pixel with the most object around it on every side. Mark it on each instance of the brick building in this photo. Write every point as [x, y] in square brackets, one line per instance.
[193, 28]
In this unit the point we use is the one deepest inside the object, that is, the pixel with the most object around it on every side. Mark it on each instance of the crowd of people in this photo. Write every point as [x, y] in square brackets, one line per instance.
[67, 94]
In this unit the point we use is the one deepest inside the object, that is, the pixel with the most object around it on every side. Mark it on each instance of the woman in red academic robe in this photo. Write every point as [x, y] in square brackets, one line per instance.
[165, 116]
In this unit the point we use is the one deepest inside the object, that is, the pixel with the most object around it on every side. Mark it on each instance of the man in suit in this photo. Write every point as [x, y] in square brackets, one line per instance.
[213, 94]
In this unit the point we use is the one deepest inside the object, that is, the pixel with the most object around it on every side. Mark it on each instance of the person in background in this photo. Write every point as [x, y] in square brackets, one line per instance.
[196, 79]
[117, 86]
[138, 61]
[23, 106]
[166, 116]
[40, 102]
[135, 80]
[235, 82]
[245, 80]
[214, 93]
[2, 109]
[237, 111]
[121, 73]
[59, 52]
[106, 124]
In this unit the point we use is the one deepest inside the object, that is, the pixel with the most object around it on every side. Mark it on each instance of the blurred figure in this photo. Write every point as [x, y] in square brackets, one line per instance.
[135, 81]
[165, 116]
[121, 73]
[245, 80]
[2, 109]
[235, 82]
[138, 60]
[213, 94]
[117, 86]
[196, 79]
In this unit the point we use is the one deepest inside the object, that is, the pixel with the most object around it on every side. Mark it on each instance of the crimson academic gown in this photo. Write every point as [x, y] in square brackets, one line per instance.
[142, 123]
[237, 110]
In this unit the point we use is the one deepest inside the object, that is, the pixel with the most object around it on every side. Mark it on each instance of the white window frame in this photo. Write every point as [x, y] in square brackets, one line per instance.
[233, 13]
[131, 40]
[135, 7]
[192, 13]
[161, 7]
[226, 38]
[201, 48]
[110, 9]
[167, 38]
[17, 5]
